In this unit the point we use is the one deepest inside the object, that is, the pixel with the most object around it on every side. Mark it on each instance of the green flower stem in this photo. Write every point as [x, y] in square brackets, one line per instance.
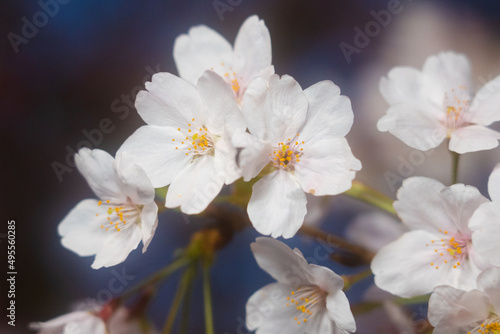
[184, 324]
[157, 277]
[207, 299]
[370, 196]
[350, 280]
[184, 285]
[455, 157]
[424, 299]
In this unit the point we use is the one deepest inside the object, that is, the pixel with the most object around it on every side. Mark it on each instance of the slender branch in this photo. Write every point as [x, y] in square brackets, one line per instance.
[185, 282]
[185, 308]
[338, 242]
[370, 196]
[455, 157]
[350, 280]
[207, 298]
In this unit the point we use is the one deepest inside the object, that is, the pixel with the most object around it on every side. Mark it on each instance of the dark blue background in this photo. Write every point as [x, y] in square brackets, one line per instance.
[64, 81]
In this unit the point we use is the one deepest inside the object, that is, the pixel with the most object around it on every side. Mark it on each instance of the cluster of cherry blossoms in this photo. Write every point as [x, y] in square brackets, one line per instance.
[227, 118]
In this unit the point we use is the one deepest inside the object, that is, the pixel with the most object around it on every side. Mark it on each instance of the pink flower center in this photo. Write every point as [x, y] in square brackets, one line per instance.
[451, 250]
[456, 103]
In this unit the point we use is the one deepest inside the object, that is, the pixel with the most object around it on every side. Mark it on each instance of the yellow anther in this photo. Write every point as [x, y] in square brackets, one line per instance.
[99, 203]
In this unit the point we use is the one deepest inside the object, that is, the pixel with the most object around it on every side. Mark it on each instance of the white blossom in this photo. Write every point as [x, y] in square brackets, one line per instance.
[438, 249]
[204, 49]
[113, 226]
[306, 298]
[300, 136]
[438, 102]
[186, 143]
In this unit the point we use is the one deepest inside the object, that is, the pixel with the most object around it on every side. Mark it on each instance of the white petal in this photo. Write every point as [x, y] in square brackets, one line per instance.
[404, 267]
[281, 262]
[452, 69]
[327, 167]
[486, 226]
[89, 325]
[420, 205]
[81, 228]
[169, 101]
[253, 156]
[451, 309]
[118, 246]
[262, 305]
[473, 138]
[200, 50]
[489, 282]
[494, 184]
[485, 109]
[196, 186]
[61, 321]
[409, 85]
[252, 49]
[460, 202]
[409, 123]
[278, 205]
[149, 222]
[220, 105]
[329, 113]
[225, 160]
[325, 278]
[275, 113]
[374, 230]
[136, 184]
[154, 150]
[97, 168]
[340, 311]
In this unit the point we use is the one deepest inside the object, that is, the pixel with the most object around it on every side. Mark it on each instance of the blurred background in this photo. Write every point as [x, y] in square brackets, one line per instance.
[82, 65]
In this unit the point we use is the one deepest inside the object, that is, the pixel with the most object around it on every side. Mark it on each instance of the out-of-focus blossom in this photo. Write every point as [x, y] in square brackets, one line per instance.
[438, 249]
[305, 299]
[186, 143]
[454, 311]
[485, 223]
[374, 230]
[95, 320]
[300, 135]
[436, 103]
[204, 49]
[112, 227]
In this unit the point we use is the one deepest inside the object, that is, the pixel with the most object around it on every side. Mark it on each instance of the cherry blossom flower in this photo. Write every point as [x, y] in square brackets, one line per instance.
[306, 298]
[204, 49]
[113, 226]
[77, 322]
[95, 320]
[477, 311]
[485, 222]
[186, 143]
[438, 249]
[299, 135]
[438, 102]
